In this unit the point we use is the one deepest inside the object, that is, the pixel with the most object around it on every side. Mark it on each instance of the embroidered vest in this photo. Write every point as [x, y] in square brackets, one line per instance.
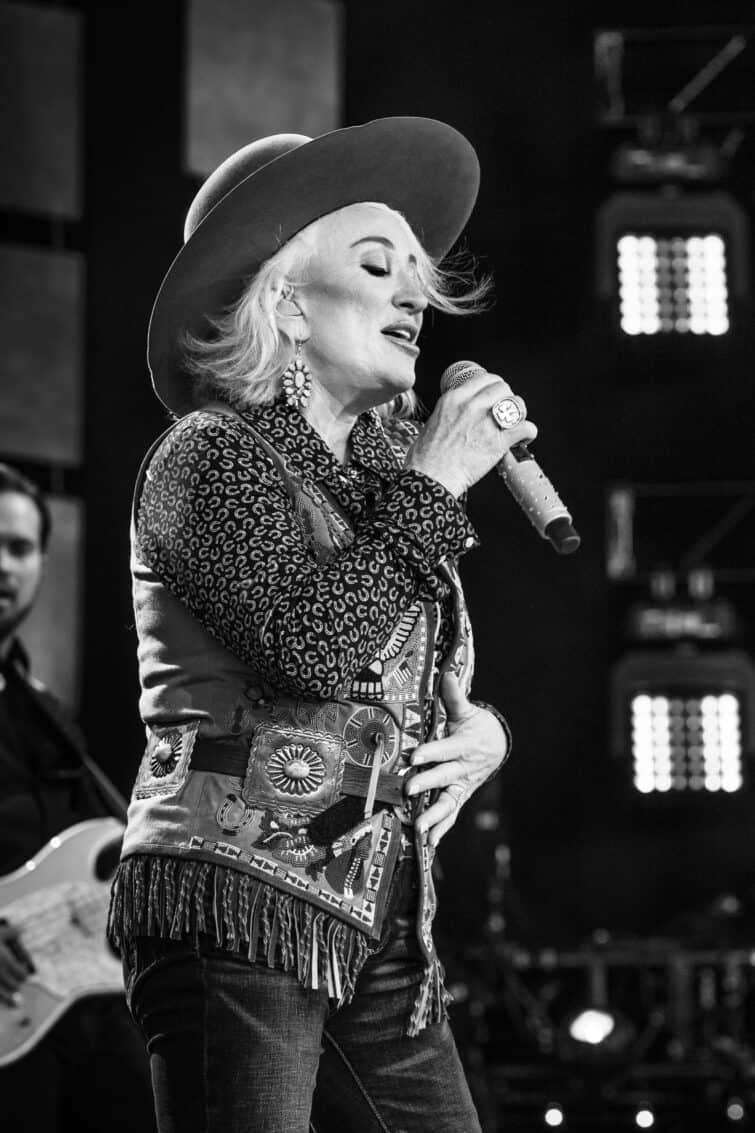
[303, 799]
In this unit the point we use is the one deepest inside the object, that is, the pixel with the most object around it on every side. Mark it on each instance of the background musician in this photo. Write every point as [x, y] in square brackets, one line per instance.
[89, 1070]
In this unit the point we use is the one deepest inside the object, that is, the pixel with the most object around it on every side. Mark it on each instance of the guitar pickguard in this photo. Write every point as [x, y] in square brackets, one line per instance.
[60, 906]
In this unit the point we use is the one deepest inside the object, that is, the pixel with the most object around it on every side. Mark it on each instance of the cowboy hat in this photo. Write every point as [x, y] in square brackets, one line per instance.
[266, 192]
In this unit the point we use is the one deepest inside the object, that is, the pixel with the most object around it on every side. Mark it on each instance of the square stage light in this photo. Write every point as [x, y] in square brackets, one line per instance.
[685, 718]
[672, 263]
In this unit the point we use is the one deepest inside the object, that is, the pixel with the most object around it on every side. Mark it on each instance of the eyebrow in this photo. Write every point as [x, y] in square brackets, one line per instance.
[380, 240]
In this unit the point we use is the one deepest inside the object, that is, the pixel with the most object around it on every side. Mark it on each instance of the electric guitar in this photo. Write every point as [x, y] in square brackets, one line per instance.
[60, 906]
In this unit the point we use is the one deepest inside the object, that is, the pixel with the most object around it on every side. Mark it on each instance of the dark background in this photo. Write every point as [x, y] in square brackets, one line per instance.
[518, 81]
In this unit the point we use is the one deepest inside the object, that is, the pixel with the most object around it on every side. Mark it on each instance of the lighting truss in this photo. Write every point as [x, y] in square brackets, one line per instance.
[678, 1056]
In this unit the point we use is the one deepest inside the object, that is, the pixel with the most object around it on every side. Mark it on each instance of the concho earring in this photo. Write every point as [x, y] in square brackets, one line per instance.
[297, 380]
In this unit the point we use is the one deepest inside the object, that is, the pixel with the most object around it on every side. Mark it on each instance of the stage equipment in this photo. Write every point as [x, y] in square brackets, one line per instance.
[684, 1067]
[682, 699]
[672, 240]
[670, 262]
[681, 529]
[735, 1110]
[684, 717]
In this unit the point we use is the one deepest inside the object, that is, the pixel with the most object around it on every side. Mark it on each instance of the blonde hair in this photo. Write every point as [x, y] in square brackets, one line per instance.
[242, 358]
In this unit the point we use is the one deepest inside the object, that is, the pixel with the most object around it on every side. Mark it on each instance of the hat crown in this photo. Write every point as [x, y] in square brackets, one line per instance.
[236, 168]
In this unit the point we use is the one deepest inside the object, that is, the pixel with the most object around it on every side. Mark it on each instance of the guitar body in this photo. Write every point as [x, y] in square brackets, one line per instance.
[60, 906]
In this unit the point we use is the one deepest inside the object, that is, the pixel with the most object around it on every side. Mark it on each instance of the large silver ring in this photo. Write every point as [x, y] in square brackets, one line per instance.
[509, 412]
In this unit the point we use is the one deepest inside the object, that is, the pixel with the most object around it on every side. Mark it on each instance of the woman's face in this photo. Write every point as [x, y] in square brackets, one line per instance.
[363, 306]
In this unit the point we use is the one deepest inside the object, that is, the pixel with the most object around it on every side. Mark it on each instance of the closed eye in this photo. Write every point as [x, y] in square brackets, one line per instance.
[373, 269]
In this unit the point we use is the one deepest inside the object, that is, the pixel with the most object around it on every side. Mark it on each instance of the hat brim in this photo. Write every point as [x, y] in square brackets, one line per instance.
[423, 168]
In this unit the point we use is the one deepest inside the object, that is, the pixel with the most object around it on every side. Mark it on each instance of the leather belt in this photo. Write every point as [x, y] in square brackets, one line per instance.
[232, 758]
[390, 787]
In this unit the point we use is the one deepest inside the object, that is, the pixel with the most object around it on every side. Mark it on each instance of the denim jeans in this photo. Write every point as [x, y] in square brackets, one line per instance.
[237, 1047]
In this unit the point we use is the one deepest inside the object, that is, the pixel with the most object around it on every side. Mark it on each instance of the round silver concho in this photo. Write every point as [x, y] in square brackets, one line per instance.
[165, 755]
[296, 770]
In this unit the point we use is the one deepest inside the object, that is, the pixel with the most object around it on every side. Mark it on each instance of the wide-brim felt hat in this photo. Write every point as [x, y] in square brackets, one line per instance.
[266, 192]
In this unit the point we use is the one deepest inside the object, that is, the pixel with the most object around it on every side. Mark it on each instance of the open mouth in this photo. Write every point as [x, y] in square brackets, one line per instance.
[404, 335]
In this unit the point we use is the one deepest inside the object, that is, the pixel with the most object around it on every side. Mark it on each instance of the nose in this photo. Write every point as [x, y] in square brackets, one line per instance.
[409, 294]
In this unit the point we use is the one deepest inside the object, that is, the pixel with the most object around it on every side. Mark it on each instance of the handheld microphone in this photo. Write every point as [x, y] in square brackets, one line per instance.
[523, 477]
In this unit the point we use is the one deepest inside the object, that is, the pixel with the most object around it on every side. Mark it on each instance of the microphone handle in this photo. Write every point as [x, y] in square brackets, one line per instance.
[537, 498]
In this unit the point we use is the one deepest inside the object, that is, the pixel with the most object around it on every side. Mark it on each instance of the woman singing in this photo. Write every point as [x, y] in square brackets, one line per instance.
[304, 650]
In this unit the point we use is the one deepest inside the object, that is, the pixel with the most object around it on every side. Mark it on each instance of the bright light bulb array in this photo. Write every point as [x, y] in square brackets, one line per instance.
[673, 284]
[685, 742]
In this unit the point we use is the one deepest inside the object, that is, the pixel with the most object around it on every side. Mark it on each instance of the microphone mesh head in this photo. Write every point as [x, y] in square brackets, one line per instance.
[457, 373]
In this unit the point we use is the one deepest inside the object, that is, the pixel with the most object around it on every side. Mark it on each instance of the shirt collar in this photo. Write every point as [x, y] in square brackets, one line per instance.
[302, 446]
[16, 659]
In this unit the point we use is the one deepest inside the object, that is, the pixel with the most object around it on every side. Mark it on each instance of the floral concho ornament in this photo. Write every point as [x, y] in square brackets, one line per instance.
[293, 769]
[165, 755]
[296, 770]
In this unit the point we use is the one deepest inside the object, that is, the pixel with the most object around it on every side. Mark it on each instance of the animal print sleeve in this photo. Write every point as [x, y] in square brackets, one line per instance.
[216, 525]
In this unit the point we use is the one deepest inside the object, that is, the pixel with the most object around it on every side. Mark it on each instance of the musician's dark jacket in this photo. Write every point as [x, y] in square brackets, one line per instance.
[92, 1060]
[294, 620]
[44, 784]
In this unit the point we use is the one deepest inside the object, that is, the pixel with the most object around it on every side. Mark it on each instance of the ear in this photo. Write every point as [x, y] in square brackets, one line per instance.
[290, 318]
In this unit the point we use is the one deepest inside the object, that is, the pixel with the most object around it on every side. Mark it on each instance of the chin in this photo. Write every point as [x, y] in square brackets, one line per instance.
[11, 618]
[401, 383]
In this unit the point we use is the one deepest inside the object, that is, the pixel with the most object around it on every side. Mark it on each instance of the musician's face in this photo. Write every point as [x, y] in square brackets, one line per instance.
[21, 559]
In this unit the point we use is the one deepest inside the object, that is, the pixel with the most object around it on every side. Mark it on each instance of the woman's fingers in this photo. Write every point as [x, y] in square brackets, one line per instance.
[440, 775]
[438, 751]
[441, 816]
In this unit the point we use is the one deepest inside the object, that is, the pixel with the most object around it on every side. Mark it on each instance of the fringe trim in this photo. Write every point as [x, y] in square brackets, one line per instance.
[171, 897]
[431, 1004]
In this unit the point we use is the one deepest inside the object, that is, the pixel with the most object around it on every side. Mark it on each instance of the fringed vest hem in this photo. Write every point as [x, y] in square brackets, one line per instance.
[177, 898]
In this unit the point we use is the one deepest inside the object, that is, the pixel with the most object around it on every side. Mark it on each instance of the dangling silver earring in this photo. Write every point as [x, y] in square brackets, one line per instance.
[297, 380]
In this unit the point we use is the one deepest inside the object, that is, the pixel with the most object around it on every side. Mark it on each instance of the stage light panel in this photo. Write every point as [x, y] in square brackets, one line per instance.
[686, 742]
[684, 718]
[672, 284]
[672, 263]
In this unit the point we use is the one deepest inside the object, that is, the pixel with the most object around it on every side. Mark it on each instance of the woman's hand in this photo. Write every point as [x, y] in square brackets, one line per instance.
[15, 963]
[461, 441]
[475, 746]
